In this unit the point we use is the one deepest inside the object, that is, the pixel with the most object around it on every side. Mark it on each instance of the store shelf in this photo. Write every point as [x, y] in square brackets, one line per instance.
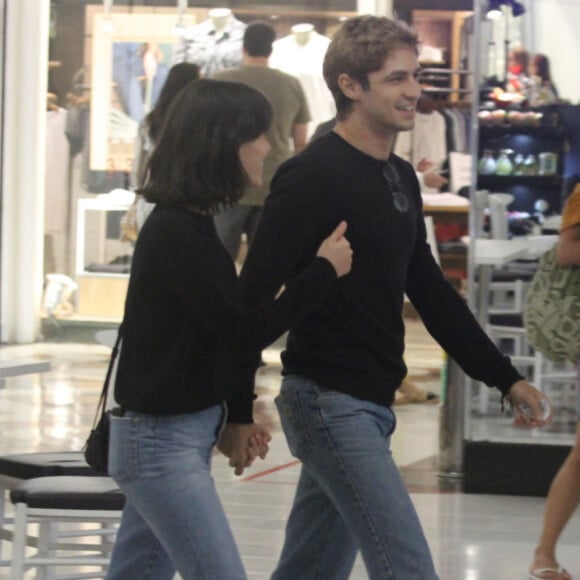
[118, 201]
[104, 275]
[551, 136]
[489, 132]
[101, 292]
[536, 181]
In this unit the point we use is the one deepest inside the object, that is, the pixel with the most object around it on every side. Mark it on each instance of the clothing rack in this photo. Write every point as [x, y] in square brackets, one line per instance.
[453, 80]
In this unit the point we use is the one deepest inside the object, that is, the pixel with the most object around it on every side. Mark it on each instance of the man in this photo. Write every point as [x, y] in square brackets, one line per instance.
[289, 124]
[343, 363]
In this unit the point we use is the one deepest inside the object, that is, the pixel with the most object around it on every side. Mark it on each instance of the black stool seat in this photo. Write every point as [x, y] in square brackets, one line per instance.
[513, 320]
[510, 275]
[69, 492]
[44, 464]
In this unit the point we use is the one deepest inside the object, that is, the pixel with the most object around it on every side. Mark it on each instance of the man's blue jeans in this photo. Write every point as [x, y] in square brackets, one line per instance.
[350, 495]
[173, 518]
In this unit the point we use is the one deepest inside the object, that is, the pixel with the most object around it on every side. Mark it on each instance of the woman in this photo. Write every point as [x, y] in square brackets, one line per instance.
[180, 75]
[540, 73]
[518, 70]
[188, 342]
[564, 494]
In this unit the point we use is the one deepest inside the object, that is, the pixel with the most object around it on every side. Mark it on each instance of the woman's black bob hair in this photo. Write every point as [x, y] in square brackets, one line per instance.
[195, 163]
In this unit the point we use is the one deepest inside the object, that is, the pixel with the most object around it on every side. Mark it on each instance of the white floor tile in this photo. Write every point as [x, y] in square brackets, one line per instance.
[473, 537]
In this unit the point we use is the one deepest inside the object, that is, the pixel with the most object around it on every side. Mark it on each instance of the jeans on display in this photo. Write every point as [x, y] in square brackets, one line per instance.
[173, 518]
[350, 495]
[231, 222]
[127, 69]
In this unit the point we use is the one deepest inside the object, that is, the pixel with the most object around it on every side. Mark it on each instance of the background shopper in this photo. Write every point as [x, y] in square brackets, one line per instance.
[287, 133]
[180, 75]
[564, 494]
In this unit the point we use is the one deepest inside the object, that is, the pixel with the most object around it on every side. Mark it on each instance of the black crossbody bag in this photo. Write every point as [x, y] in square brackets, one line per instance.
[96, 449]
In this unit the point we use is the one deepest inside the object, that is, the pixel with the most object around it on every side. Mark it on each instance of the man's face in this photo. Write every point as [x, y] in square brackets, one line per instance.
[389, 104]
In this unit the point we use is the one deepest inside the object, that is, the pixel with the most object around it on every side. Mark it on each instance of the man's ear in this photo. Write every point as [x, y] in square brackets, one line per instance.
[349, 86]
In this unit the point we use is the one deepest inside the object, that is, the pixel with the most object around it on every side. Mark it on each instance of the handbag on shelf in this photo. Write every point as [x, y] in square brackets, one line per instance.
[552, 311]
[96, 448]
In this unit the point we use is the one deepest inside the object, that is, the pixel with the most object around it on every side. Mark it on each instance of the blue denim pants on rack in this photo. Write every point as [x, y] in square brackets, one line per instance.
[350, 495]
[173, 518]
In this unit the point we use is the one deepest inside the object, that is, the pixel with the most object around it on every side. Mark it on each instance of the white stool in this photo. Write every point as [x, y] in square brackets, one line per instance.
[50, 501]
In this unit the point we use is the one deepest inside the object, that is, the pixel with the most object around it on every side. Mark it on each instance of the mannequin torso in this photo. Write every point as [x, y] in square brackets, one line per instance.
[302, 33]
[220, 17]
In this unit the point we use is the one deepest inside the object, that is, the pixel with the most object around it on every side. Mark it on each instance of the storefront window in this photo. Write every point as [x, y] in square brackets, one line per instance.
[105, 74]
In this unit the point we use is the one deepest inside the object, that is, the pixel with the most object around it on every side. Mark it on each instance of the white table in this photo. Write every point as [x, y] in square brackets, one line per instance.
[490, 253]
[16, 368]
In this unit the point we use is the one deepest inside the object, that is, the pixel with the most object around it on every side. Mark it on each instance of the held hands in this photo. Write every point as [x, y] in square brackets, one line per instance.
[242, 443]
[336, 249]
[531, 407]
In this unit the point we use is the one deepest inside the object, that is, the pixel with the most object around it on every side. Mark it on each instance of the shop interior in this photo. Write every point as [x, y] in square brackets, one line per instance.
[508, 147]
[512, 167]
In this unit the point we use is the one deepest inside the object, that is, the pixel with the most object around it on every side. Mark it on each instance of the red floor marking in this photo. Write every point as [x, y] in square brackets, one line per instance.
[271, 470]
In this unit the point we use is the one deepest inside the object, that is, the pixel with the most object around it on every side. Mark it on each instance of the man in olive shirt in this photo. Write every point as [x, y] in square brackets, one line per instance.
[287, 135]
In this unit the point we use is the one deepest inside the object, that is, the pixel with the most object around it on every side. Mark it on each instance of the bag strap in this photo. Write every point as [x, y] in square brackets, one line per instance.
[103, 398]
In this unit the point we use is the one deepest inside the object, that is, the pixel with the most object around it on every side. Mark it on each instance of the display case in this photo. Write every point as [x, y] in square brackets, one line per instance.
[522, 152]
[102, 259]
[498, 457]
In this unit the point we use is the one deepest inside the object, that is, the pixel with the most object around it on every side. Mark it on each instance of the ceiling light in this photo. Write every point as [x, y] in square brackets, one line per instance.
[494, 10]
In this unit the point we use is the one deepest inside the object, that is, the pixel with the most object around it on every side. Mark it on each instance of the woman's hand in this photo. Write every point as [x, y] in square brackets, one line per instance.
[243, 443]
[336, 249]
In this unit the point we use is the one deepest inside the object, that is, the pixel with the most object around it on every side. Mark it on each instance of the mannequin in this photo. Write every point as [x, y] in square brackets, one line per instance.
[301, 54]
[302, 33]
[214, 44]
[220, 18]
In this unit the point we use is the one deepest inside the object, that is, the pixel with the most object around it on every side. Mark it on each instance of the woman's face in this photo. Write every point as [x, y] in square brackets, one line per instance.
[252, 155]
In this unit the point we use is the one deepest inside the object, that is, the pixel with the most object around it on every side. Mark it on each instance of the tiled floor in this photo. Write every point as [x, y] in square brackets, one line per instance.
[473, 537]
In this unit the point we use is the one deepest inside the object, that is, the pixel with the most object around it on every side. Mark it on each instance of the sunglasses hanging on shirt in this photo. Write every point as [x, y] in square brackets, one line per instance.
[391, 176]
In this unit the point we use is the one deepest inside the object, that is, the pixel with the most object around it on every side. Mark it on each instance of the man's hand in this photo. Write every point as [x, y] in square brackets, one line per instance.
[431, 177]
[434, 180]
[424, 165]
[242, 443]
[529, 404]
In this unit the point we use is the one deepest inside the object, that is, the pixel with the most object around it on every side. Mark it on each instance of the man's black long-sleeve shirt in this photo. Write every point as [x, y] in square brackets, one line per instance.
[354, 341]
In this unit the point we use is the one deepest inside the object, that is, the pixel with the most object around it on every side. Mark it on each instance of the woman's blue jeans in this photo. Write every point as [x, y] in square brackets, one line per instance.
[350, 495]
[173, 518]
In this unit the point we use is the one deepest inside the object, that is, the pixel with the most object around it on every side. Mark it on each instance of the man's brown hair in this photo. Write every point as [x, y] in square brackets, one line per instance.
[360, 47]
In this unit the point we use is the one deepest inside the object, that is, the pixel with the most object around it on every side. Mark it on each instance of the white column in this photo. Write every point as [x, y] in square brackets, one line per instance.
[27, 29]
[377, 7]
